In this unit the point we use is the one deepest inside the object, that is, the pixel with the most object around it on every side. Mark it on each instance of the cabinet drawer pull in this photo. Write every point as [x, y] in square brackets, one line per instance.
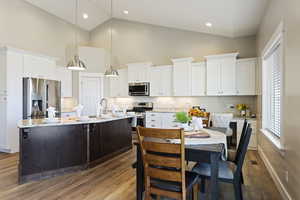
[152, 114]
[152, 120]
[152, 125]
[175, 125]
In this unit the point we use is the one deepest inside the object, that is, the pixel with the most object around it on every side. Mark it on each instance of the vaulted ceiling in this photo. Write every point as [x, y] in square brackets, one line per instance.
[232, 18]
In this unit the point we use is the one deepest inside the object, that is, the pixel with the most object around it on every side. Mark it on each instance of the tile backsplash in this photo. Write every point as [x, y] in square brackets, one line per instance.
[211, 104]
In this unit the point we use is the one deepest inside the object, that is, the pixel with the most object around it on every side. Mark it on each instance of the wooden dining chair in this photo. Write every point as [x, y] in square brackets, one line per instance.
[227, 173]
[206, 121]
[164, 164]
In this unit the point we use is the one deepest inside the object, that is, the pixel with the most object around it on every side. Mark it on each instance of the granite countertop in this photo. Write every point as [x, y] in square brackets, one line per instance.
[30, 123]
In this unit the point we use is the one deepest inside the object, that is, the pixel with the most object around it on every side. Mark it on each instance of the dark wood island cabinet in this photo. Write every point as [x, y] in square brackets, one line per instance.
[47, 151]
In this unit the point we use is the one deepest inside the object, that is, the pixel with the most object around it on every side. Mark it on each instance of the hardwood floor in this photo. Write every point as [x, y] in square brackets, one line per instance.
[115, 180]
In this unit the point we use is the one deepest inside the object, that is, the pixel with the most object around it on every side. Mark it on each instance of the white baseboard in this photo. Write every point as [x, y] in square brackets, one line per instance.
[283, 191]
[4, 149]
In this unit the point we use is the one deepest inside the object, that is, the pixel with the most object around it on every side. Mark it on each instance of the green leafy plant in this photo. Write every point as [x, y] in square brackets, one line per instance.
[182, 117]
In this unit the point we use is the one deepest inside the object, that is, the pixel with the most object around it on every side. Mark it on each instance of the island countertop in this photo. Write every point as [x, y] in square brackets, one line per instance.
[31, 123]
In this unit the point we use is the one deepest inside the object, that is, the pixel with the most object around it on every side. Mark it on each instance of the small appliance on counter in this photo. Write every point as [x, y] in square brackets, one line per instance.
[140, 108]
[139, 89]
[38, 96]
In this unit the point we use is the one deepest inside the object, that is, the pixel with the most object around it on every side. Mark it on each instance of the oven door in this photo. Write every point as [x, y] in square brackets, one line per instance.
[139, 89]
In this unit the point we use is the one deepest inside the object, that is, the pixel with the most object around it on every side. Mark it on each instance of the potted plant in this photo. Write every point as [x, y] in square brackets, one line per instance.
[184, 119]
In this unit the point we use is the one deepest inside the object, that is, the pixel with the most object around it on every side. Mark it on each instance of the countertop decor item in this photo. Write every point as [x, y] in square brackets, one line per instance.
[75, 63]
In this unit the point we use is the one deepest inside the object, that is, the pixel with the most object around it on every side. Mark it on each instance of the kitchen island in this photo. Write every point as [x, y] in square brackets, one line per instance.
[68, 145]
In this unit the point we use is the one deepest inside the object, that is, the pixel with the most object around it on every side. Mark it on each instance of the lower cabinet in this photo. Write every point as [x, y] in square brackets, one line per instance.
[161, 120]
[46, 149]
[109, 138]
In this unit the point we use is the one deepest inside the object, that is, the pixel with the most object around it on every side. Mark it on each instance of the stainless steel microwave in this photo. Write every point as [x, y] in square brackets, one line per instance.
[139, 89]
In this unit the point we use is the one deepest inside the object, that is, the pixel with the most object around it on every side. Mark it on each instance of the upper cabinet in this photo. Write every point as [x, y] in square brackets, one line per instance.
[119, 85]
[198, 79]
[39, 67]
[221, 74]
[245, 76]
[161, 81]
[182, 74]
[139, 72]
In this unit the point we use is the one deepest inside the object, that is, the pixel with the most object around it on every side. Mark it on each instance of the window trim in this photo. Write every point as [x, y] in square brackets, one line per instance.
[276, 39]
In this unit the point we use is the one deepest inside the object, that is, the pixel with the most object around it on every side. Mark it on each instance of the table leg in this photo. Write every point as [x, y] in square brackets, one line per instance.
[214, 187]
[139, 175]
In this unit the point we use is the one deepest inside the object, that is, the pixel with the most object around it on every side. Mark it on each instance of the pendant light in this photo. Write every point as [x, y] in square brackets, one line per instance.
[75, 63]
[110, 72]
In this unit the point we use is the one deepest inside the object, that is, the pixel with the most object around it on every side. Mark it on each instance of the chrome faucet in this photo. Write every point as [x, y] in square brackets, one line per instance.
[104, 107]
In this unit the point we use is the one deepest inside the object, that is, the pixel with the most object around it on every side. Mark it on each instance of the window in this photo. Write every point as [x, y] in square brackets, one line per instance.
[272, 88]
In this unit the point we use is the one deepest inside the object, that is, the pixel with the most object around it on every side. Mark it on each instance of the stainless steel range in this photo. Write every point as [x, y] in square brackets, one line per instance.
[140, 109]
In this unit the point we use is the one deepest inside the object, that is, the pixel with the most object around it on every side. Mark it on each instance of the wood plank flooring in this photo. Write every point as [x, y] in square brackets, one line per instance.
[115, 180]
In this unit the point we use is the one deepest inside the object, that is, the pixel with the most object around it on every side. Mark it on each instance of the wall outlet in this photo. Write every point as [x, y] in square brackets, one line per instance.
[287, 176]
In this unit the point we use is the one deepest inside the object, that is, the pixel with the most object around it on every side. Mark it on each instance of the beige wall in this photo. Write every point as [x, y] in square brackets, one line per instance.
[289, 159]
[27, 27]
[137, 42]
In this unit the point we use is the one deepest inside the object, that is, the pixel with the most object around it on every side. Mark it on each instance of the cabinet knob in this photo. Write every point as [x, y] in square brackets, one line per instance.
[152, 125]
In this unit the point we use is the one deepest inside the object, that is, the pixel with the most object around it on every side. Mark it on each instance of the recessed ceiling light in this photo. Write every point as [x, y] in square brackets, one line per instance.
[208, 24]
[126, 12]
[85, 16]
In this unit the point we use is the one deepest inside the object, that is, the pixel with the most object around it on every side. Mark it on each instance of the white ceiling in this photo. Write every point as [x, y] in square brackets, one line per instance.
[232, 18]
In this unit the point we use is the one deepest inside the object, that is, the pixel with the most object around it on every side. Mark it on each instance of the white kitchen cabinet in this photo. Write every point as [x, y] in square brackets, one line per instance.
[161, 120]
[65, 76]
[119, 85]
[198, 79]
[139, 72]
[221, 74]
[161, 81]
[253, 139]
[11, 98]
[182, 74]
[39, 67]
[245, 76]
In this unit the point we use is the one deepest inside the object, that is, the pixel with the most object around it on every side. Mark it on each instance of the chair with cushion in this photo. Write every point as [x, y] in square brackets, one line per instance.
[164, 164]
[228, 172]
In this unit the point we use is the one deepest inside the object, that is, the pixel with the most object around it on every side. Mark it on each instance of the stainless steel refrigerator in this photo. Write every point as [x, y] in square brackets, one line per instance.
[38, 95]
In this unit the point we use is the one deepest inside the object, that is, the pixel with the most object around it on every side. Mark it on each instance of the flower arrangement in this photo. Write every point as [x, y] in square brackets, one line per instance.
[196, 113]
[241, 107]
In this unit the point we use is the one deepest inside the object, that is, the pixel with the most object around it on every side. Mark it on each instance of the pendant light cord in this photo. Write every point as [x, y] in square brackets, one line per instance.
[76, 23]
[111, 33]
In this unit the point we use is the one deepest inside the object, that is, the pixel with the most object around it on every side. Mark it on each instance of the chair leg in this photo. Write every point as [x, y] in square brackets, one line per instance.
[202, 185]
[190, 195]
[242, 178]
[238, 190]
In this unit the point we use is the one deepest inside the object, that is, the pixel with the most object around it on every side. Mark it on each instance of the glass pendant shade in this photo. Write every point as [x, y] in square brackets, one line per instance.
[111, 72]
[76, 64]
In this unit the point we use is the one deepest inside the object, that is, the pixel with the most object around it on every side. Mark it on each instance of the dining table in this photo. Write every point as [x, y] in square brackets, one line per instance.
[207, 152]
